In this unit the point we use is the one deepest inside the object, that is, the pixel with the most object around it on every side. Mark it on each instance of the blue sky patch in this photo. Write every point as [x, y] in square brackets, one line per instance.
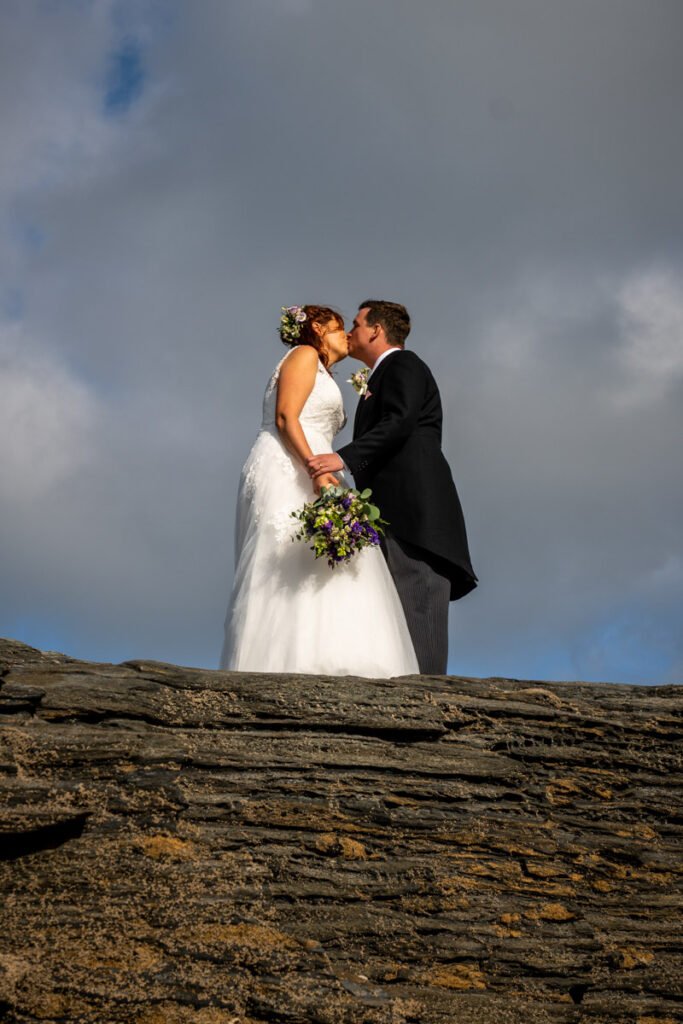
[34, 237]
[125, 78]
[24, 232]
[13, 305]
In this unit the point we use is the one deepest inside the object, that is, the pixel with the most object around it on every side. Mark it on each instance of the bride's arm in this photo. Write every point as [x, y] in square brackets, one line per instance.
[295, 383]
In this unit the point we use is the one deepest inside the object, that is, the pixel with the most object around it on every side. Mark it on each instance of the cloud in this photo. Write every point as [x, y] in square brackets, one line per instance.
[294, 7]
[651, 326]
[450, 157]
[48, 116]
[46, 419]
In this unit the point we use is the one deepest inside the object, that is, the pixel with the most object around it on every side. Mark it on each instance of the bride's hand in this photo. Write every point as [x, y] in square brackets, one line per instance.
[325, 480]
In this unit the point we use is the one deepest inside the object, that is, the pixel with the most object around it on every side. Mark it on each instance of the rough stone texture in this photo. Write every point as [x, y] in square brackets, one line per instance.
[192, 847]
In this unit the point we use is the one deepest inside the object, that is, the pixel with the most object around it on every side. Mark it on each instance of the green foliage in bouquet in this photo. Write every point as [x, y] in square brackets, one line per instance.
[339, 524]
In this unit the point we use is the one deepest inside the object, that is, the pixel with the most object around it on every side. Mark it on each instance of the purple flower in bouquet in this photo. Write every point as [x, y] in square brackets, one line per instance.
[339, 524]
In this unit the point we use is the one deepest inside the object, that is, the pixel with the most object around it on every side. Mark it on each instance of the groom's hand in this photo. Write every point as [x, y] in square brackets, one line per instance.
[319, 464]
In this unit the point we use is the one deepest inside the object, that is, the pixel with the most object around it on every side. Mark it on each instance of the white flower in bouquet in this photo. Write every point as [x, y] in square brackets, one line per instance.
[359, 381]
[339, 524]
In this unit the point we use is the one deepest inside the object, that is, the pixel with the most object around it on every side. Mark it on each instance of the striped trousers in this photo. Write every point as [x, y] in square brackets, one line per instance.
[425, 596]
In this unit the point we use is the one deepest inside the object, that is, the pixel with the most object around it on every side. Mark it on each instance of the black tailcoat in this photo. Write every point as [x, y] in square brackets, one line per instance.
[396, 451]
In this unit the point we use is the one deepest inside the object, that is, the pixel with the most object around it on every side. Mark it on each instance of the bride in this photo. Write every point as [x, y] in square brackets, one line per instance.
[289, 611]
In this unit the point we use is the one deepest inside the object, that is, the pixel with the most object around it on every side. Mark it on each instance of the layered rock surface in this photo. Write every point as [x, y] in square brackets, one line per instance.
[190, 847]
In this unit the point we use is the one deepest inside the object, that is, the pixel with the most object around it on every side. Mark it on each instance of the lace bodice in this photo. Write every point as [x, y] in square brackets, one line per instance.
[323, 413]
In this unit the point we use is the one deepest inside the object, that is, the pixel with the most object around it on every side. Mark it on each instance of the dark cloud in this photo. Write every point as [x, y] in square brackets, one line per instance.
[509, 169]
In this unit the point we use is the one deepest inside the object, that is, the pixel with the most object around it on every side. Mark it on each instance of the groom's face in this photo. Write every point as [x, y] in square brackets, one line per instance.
[361, 335]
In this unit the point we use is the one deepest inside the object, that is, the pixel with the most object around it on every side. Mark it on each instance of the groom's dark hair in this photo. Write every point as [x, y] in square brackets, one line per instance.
[391, 316]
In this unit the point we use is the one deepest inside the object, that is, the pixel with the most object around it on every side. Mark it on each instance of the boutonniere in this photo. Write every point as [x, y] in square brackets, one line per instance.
[359, 381]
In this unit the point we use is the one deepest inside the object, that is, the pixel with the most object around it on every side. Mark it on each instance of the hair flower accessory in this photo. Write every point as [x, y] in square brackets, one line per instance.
[359, 381]
[290, 323]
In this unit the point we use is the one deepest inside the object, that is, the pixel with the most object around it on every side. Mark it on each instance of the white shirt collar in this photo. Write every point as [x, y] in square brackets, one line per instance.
[384, 355]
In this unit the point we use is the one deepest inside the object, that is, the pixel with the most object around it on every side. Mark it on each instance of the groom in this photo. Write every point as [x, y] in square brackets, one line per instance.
[396, 451]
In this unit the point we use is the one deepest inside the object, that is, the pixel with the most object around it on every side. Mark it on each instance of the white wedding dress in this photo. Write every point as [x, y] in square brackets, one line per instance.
[289, 611]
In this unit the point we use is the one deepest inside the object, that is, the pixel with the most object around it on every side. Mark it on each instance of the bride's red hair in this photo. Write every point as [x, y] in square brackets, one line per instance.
[320, 315]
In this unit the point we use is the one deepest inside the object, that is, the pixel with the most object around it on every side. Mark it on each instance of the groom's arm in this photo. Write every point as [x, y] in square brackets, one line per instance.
[400, 400]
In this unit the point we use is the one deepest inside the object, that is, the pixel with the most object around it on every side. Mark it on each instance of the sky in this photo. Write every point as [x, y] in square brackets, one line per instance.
[173, 172]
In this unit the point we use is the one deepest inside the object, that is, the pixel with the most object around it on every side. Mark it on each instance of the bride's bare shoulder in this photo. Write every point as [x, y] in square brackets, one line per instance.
[301, 359]
[302, 354]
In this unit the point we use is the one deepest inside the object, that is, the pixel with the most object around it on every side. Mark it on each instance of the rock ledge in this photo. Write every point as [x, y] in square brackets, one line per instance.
[190, 847]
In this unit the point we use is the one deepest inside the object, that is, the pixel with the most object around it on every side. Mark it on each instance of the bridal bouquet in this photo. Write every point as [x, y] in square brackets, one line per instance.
[340, 523]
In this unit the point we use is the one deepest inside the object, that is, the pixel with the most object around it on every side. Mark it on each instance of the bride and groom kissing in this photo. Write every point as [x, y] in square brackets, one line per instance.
[385, 613]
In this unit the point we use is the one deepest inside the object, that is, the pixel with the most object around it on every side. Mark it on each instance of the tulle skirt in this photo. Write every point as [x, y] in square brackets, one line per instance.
[289, 612]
